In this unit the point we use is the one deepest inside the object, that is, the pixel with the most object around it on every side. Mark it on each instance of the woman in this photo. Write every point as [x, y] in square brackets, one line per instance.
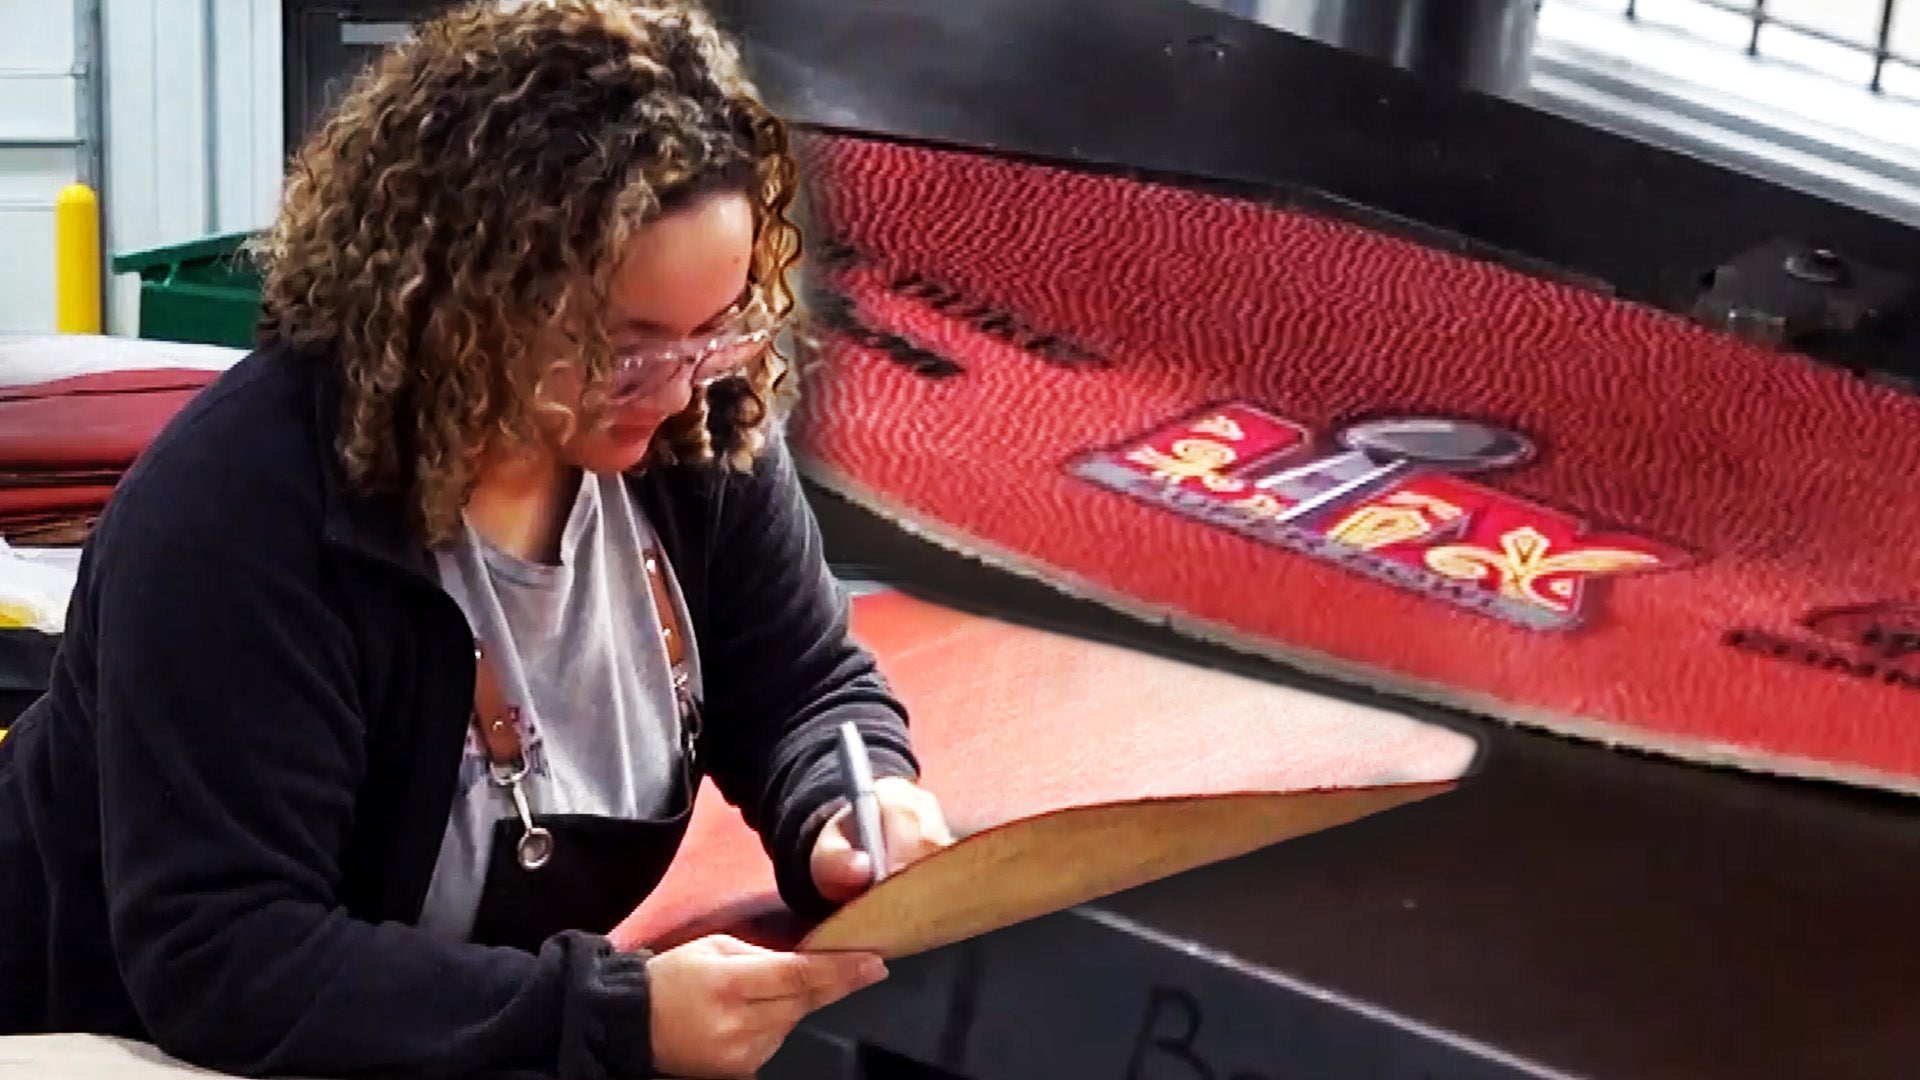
[395, 661]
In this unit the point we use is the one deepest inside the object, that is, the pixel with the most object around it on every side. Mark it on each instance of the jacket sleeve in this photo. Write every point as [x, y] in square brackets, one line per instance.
[783, 672]
[230, 750]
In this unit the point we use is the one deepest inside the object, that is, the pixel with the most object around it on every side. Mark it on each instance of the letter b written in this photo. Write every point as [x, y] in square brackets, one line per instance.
[1163, 1048]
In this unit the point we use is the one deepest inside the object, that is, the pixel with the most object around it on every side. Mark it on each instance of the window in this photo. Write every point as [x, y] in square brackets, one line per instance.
[1822, 94]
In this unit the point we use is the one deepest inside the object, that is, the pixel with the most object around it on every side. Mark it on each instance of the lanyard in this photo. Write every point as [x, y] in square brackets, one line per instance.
[498, 723]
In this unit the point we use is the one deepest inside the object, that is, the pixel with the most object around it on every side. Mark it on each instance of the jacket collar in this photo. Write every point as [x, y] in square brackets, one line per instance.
[372, 526]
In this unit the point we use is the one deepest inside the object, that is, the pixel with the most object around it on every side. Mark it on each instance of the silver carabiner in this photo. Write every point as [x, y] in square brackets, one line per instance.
[535, 848]
[536, 843]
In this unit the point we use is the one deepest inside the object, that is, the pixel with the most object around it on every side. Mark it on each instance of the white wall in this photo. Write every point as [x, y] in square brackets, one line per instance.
[39, 129]
[193, 119]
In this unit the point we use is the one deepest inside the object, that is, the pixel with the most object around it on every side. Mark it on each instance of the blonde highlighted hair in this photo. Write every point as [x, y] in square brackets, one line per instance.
[462, 212]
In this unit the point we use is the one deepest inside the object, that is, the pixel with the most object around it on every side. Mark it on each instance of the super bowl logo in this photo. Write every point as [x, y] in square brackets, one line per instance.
[1391, 500]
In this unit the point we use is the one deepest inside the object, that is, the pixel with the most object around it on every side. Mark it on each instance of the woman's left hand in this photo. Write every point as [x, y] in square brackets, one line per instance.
[913, 825]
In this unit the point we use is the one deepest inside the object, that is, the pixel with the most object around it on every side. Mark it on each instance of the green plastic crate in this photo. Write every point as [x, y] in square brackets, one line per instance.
[196, 292]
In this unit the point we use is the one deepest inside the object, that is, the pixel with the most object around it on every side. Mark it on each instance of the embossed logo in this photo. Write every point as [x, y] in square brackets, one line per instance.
[1393, 499]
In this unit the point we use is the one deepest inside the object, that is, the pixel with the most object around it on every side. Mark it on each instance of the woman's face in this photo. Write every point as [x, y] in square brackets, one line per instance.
[676, 320]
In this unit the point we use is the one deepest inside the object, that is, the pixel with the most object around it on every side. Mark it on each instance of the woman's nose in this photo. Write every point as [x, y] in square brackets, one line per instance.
[678, 394]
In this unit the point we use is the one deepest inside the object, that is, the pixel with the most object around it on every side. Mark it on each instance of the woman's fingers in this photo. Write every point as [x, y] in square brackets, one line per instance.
[912, 827]
[840, 870]
[914, 824]
[722, 1007]
[777, 975]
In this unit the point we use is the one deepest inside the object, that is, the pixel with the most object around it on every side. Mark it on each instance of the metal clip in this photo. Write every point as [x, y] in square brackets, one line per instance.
[689, 718]
[536, 843]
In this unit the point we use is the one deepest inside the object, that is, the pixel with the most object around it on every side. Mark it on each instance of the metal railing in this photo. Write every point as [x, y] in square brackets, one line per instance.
[1879, 47]
[1820, 95]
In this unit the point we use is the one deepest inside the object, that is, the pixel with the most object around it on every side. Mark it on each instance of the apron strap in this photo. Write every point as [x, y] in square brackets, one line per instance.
[497, 722]
[670, 634]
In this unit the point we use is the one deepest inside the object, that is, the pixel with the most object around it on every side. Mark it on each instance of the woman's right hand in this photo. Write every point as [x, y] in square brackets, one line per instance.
[722, 1008]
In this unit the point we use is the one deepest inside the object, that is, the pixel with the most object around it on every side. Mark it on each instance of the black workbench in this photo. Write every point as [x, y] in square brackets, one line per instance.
[1572, 910]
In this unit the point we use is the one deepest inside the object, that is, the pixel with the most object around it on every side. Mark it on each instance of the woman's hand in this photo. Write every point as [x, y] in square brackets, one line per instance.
[722, 1008]
[914, 827]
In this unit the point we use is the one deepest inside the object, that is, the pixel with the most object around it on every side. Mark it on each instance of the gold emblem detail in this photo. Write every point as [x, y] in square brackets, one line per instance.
[1403, 516]
[1191, 459]
[1526, 571]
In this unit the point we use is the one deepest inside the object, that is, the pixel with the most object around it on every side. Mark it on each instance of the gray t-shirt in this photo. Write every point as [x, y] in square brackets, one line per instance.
[577, 647]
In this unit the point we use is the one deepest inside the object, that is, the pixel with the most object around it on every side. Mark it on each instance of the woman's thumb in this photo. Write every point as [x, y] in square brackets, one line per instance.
[842, 870]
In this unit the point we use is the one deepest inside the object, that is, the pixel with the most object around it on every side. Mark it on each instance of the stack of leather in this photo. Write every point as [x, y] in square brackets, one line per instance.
[66, 440]
[75, 412]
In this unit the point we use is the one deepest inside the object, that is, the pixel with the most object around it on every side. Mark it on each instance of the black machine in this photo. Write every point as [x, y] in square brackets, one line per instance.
[1574, 911]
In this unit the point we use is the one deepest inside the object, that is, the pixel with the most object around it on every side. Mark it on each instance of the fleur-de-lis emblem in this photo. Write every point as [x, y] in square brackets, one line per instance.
[1190, 459]
[1526, 569]
[1403, 516]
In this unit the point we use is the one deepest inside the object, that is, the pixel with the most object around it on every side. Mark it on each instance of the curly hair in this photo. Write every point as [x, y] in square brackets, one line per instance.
[449, 235]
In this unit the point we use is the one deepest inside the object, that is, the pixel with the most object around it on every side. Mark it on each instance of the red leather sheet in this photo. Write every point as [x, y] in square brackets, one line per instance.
[1012, 722]
[1714, 543]
[37, 500]
[65, 442]
[90, 422]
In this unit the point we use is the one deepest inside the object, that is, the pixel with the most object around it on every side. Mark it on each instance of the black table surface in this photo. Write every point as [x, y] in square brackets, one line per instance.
[1600, 912]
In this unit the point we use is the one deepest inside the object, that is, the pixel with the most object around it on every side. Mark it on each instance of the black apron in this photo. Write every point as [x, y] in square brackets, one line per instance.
[549, 873]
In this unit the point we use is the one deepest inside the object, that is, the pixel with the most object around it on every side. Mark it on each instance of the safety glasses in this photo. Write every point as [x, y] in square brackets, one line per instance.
[721, 353]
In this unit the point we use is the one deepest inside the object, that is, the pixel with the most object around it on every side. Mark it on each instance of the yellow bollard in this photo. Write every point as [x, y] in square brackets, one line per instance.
[76, 260]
